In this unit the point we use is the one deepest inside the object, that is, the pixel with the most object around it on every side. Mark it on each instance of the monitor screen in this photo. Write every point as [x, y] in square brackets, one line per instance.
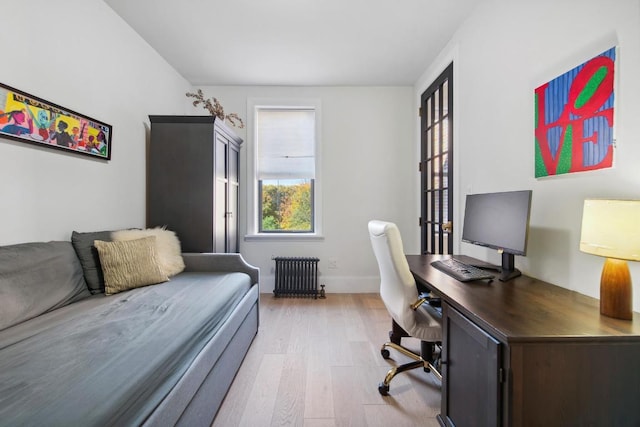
[498, 220]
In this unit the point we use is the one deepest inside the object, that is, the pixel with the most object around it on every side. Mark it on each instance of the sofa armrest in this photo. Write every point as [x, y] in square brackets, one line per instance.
[231, 262]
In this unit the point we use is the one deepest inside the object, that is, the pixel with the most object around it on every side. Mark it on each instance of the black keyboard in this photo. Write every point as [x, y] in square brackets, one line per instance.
[462, 272]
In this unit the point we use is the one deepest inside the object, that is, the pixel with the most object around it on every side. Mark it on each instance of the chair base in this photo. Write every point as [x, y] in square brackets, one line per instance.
[425, 361]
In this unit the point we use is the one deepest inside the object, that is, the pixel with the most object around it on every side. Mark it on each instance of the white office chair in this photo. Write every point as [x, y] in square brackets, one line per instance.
[400, 295]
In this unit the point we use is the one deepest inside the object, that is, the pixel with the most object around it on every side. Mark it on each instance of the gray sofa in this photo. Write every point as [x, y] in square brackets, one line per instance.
[158, 355]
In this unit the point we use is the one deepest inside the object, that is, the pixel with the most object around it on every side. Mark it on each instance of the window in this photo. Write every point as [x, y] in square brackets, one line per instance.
[285, 148]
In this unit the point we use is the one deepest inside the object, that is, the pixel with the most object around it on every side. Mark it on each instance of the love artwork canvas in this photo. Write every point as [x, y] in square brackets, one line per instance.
[574, 116]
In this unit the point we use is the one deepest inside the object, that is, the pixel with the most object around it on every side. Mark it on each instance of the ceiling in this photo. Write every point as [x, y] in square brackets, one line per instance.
[297, 42]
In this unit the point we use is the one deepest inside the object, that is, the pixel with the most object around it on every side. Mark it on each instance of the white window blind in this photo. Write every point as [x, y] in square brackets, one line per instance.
[286, 144]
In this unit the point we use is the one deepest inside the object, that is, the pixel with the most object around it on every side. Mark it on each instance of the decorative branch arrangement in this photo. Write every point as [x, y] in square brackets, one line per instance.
[215, 108]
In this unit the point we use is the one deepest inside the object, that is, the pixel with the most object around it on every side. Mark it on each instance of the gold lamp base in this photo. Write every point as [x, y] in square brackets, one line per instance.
[615, 290]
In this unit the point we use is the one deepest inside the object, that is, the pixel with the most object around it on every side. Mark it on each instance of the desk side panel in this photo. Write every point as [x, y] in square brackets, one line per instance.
[575, 383]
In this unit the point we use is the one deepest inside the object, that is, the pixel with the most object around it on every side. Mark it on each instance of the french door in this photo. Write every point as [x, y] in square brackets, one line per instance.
[436, 165]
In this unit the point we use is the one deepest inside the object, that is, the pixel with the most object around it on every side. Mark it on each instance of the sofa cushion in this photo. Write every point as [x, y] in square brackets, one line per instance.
[167, 247]
[88, 255]
[129, 264]
[36, 278]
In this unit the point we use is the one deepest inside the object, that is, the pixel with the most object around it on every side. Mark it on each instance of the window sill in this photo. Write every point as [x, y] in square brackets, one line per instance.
[272, 237]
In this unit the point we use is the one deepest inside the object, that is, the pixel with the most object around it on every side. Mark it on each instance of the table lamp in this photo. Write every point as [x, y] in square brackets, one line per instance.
[611, 229]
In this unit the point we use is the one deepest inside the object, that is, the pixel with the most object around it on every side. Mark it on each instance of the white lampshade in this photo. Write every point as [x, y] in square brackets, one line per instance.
[611, 228]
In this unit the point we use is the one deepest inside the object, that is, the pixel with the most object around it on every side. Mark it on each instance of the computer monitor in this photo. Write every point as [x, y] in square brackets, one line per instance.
[499, 221]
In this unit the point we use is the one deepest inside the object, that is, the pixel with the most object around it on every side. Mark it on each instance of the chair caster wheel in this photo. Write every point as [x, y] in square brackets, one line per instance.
[383, 389]
[385, 353]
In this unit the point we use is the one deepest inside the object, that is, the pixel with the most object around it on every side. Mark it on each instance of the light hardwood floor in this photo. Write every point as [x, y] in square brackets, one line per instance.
[317, 363]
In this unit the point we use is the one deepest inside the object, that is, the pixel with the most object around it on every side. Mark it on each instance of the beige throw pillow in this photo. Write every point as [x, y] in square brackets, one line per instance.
[129, 264]
[167, 247]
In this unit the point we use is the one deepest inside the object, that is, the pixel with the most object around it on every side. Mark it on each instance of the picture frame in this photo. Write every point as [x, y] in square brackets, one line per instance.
[574, 118]
[32, 120]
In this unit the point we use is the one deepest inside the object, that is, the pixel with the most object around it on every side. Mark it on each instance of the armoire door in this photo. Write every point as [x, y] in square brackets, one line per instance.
[233, 199]
[220, 196]
[194, 181]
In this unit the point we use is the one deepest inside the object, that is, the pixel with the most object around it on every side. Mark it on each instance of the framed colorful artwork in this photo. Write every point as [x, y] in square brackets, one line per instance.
[27, 118]
[574, 119]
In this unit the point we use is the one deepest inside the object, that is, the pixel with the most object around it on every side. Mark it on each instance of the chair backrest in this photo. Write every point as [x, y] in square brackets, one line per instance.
[397, 285]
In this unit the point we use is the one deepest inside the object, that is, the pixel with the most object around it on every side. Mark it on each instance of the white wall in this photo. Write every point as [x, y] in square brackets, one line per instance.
[367, 171]
[81, 55]
[501, 54]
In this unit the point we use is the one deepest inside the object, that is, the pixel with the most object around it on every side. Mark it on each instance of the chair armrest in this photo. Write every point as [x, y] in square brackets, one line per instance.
[232, 262]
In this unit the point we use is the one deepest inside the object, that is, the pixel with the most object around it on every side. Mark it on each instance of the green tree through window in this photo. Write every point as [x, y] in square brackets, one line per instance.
[287, 205]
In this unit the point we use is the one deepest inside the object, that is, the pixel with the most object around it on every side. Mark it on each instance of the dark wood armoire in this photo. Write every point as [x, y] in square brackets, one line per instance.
[194, 181]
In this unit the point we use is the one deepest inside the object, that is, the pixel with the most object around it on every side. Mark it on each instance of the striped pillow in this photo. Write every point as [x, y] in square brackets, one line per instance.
[129, 264]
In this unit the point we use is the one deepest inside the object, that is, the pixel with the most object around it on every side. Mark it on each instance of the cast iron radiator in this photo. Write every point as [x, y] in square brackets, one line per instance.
[296, 276]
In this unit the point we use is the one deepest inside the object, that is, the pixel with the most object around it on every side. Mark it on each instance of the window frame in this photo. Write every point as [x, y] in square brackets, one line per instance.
[253, 190]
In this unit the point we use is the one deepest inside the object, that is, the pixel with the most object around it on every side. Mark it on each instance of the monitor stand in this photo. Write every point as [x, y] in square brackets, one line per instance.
[509, 270]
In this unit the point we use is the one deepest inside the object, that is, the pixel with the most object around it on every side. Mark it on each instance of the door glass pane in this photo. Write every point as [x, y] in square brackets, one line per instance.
[445, 97]
[436, 139]
[445, 134]
[445, 206]
[445, 170]
[428, 113]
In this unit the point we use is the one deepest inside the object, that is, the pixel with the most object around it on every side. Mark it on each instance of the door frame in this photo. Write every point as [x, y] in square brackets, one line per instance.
[432, 241]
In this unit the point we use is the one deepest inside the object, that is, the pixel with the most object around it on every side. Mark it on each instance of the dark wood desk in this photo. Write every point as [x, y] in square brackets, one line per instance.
[529, 353]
